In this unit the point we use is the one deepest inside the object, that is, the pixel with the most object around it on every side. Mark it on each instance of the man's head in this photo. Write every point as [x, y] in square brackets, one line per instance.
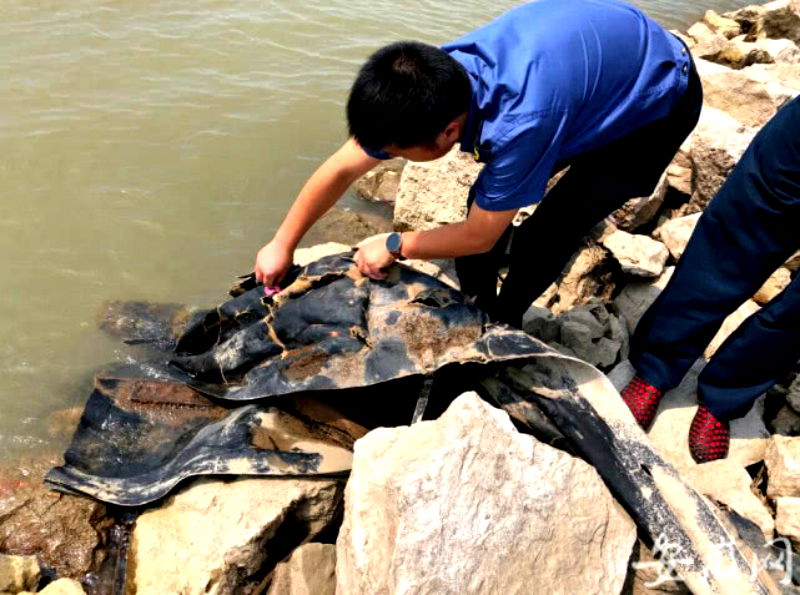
[409, 99]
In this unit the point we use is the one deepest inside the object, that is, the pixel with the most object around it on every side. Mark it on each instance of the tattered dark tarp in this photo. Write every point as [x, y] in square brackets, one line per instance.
[210, 406]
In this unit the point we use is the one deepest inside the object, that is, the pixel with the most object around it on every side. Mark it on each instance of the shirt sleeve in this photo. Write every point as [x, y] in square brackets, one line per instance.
[517, 175]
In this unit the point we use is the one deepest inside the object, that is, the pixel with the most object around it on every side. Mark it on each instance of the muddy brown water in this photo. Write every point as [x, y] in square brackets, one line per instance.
[150, 148]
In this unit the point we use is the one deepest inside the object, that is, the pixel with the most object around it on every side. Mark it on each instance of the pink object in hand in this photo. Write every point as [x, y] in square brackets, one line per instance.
[270, 291]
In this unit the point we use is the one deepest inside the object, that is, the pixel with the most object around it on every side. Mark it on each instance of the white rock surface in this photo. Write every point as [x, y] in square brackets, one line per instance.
[787, 519]
[214, 536]
[433, 193]
[310, 570]
[466, 504]
[637, 254]
[675, 233]
[783, 466]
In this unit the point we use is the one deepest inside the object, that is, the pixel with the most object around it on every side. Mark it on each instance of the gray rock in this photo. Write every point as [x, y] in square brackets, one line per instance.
[215, 536]
[637, 254]
[479, 508]
[310, 570]
[786, 422]
[635, 298]
[783, 466]
[433, 193]
[541, 323]
[793, 395]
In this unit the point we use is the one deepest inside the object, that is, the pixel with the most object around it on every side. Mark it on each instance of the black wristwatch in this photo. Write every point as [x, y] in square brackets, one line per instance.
[394, 244]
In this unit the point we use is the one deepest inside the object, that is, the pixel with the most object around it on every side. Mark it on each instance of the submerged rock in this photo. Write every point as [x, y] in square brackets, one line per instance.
[221, 537]
[479, 508]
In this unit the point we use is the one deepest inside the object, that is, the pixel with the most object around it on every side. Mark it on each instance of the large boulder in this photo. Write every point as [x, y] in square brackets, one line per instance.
[433, 193]
[466, 504]
[219, 537]
[751, 96]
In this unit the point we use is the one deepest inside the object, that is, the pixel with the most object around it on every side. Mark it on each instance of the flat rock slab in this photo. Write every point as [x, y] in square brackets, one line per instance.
[466, 504]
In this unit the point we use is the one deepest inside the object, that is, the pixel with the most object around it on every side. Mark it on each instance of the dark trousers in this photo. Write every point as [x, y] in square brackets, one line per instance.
[597, 183]
[748, 230]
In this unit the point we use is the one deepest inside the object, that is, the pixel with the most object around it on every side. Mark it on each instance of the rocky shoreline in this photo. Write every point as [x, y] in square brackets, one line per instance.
[464, 503]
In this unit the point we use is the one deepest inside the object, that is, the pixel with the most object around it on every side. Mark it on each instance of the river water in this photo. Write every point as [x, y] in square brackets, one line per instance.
[149, 148]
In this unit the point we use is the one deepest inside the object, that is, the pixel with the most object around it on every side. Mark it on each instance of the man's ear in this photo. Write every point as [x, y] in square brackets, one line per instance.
[452, 132]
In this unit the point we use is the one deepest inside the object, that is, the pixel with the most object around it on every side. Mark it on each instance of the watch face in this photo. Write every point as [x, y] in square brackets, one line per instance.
[394, 242]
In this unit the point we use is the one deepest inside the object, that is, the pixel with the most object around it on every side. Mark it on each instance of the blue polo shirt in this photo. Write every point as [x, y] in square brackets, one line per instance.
[555, 78]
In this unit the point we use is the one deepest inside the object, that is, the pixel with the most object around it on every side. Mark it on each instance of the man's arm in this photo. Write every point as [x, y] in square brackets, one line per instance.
[325, 186]
[477, 234]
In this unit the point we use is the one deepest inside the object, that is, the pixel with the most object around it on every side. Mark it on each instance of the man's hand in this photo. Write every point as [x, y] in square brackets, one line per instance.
[272, 263]
[372, 257]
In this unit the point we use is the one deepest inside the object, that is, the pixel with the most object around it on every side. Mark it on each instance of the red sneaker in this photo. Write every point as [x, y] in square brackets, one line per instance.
[709, 437]
[642, 399]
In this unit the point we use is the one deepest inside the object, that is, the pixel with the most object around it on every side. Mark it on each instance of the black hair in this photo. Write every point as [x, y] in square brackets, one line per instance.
[406, 94]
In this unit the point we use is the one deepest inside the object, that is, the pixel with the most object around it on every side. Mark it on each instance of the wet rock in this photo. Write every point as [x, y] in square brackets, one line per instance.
[718, 143]
[381, 183]
[729, 325]
[670, 431]
[637, 254]
[217, 537]
[675, 233]
[587, 275]
[786, 422]
[728, 483]
[776, 283]
[635, 298]
[751, 96]
[783, 466]
[433, 193]
[63, 586]
[65, 532]
[639, 211]
[490, 500]
[18, 573]
[310, 570]
[787, 518]
[348, 227]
